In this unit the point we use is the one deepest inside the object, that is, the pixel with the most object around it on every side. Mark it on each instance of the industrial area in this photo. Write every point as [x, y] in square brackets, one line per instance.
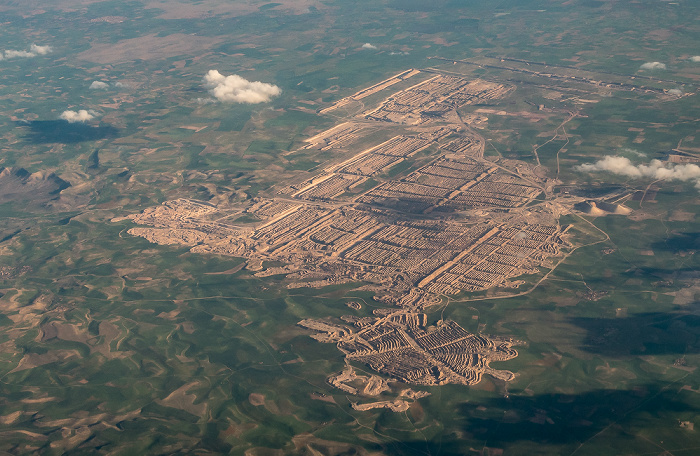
[451, 222]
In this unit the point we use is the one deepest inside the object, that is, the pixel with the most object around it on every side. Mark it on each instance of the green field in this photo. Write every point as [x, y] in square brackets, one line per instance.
[111, 344]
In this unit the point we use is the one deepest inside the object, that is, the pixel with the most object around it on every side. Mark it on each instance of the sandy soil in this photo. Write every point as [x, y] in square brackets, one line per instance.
[205, 8]
[256, 399]
[179, 399]
[149, 47]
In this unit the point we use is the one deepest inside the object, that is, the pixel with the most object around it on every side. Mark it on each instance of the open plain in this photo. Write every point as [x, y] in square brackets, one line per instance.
[434, 228]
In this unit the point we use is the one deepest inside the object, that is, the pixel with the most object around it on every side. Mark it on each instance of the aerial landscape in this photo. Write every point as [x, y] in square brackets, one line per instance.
[333, 228]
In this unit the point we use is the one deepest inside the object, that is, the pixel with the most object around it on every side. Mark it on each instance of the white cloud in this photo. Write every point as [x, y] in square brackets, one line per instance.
[369, 46]
[236, 89]
[629, 150]
[79, 116]
[40, 50]
[653, 66]
[678, 92]
[695, 58]
[98, 85]
[121, 84]
[33, 51]
[12, 54]
[656, 169]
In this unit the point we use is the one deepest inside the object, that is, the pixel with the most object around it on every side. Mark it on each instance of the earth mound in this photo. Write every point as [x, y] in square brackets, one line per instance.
[18, 184]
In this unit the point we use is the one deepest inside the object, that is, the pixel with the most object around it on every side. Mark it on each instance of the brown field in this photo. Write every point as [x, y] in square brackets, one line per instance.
[149, 47]
[179, 9]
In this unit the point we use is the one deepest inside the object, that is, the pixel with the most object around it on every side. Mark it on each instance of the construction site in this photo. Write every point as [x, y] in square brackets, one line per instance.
[435, 98]
[453, 222]
[401, 346]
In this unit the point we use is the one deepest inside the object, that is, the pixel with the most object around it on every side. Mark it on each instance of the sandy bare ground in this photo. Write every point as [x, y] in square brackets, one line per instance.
[256, 399]
[32, 7]
[188, 10]
[172, 9]
[32, 360]
[181, 399]
[149, 47]
[308, 443]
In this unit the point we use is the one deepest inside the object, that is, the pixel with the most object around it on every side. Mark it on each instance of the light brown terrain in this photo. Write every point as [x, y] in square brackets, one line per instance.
[179, 9]
[149, 47]
[371, 90]
[401, 346]
[434, 98]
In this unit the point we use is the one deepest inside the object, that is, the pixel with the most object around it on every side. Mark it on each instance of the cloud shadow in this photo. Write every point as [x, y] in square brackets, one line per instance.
[60, 131]
[651, 333]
